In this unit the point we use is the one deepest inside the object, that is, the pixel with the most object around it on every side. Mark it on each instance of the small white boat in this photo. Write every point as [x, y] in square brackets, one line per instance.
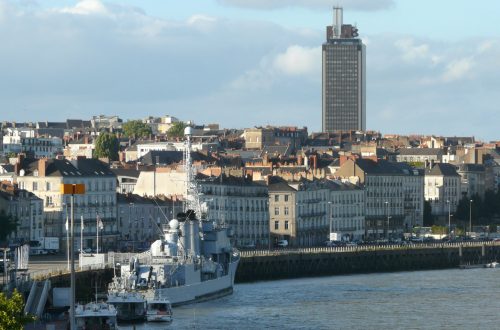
[493, 264]
[131, 306]
[95, 316]
[159, 310]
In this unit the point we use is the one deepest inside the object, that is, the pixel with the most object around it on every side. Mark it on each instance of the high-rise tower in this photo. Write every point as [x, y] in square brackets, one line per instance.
[344, 78]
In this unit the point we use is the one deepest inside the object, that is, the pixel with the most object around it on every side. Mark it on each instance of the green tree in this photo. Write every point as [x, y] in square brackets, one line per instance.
[439, 230]
[177, 129]
[136, 129]
[489, 207]
[462, 212]
[8, 224]
[428, 217]
[106, 146]
[12, 312]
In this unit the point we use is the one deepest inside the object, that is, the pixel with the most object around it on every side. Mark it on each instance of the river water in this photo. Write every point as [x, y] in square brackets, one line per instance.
[441, 299]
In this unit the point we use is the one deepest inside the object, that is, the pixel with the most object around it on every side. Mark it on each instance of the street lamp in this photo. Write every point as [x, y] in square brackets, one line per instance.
[330, 227]
[388, 217]
[130, 205]
[470, 218]
[449, 219]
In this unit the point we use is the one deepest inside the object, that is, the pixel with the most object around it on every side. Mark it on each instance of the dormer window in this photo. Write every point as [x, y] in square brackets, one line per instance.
[35, 173]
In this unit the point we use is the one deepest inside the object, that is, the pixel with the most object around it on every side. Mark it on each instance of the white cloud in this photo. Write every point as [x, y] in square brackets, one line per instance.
[364, 5]
[86, 7]
[410, 51]
[458, 69]
[202, 23]
[273, 69]
[485, 46]
[203, 19]
[240, 73]
[298, 60]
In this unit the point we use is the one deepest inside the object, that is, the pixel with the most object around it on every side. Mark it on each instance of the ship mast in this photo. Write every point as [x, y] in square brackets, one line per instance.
[191, 197]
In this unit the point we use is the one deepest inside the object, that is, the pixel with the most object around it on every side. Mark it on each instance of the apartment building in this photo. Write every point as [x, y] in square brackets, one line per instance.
[394, 195]
[442, 188]
[26, 208]
[308, 213]
[239, 203]
[43, 177]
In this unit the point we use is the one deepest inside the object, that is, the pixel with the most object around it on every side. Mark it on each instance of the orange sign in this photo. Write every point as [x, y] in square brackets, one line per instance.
[73, 189]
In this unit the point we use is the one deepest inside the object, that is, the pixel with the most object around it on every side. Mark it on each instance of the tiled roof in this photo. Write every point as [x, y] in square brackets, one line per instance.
[442, 169]
[421, 151]
[171, 157]
[65, 168]
[126, 172]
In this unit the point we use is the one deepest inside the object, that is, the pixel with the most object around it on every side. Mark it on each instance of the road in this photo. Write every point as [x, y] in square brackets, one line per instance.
[44, 263]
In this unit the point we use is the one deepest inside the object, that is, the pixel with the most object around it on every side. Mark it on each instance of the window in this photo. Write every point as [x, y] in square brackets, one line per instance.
[48, 186]
[276, 225]
[286, 225]
[286, 210]
[286, 198]
[276, 198]
[48, 201]
[276, 211]
[35, 186]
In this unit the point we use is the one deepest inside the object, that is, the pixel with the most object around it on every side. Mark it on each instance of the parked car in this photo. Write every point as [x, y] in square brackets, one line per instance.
[282, 243]
[335, 243]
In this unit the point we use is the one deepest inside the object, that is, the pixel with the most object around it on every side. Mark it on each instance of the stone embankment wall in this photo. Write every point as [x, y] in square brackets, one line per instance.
[86, 281]
[281, 264]
[263, 265]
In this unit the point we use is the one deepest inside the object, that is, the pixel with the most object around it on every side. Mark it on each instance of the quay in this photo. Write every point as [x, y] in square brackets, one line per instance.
[260, 265]
[322, 261]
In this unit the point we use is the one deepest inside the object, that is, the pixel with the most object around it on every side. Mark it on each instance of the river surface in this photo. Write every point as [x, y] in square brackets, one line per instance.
[441, 299]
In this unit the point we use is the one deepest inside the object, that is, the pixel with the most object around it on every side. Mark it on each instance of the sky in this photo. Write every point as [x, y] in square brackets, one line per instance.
[433, 67]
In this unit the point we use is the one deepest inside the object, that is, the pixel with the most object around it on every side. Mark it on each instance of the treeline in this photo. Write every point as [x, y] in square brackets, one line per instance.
[483, 210]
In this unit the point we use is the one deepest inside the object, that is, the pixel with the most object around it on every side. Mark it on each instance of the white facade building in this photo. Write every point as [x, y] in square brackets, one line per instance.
[27, 209]
[347, 203]
[394, 195]
[306, 212]
[44, 177]
[12, 139]
[143, 149]
[140, 220]
[240, 204]
[442, 188]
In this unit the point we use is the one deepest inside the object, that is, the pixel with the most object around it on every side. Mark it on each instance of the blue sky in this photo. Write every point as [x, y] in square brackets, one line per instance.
[432, 66]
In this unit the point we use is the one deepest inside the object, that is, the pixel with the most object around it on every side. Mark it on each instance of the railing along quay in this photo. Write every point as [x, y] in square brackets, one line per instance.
[362, 248]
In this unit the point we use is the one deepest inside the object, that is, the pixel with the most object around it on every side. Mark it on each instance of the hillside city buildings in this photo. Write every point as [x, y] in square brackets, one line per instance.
[268, 183]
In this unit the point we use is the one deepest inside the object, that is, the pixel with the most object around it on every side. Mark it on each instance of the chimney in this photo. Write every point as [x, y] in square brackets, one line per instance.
[315, 161]
[42, 164]
[20, 158]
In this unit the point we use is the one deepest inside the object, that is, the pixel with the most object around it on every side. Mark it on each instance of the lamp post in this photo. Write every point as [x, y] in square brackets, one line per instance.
[470, 218]
[330, 227]
[388, 225]
[130, 221]
[67, 233]
[449, 219]
[72, 189]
